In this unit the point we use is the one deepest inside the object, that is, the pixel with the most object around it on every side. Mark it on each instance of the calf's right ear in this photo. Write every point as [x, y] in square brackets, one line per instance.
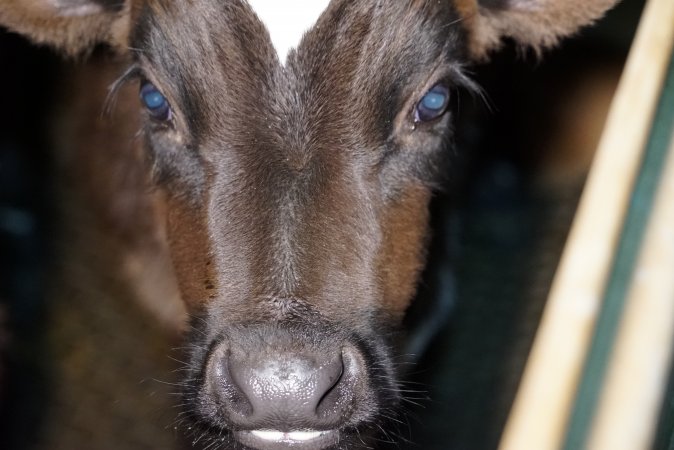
[72, 26]
[533, 24]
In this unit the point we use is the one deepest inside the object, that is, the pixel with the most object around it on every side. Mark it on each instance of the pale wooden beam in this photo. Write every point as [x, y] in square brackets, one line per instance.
[638, 371]
[541, 410]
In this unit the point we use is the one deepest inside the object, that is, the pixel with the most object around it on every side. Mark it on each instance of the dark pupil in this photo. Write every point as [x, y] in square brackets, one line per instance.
[433, 104]
[154, 101]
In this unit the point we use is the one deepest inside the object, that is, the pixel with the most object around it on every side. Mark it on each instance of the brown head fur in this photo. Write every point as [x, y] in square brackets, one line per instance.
[297, 195]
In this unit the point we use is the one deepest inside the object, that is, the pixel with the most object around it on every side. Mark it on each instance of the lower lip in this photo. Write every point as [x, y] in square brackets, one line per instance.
[278, 440]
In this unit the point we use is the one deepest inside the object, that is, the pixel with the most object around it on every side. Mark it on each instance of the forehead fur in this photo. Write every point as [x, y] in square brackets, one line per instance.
[293, 145]
[220, 53]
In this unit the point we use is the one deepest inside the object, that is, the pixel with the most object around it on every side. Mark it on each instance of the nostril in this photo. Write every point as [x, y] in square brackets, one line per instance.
[231, 396]
[332, 392]
[284, 389]
[339, 397]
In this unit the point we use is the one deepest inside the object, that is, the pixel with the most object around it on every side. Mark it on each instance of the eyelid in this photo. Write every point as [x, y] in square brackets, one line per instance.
[441, 75]
[137, 72]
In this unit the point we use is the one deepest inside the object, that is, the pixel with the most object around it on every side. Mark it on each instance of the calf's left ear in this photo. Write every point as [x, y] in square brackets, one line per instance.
[72, 26]
[531, 23]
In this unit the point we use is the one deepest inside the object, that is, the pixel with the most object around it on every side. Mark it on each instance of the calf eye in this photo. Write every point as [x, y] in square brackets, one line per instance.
[433, 104]
[155, 102]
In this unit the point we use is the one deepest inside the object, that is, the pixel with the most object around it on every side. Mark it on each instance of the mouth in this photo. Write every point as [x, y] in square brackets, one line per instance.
[278, 440]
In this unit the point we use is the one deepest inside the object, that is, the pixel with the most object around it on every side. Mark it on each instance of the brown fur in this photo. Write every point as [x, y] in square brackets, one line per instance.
[403, 259]
[113, 183]
[535, 24]
[296, 197]
[48, 22]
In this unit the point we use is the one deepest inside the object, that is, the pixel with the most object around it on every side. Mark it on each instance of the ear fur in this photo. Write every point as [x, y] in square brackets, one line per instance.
[532, 23]
[72, 26]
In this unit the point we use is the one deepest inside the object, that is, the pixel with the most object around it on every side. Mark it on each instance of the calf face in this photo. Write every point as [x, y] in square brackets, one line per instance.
[297, 188]
[297, 201]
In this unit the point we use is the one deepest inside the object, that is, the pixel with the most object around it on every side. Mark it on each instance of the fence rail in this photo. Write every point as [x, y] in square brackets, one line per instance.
[564, 400]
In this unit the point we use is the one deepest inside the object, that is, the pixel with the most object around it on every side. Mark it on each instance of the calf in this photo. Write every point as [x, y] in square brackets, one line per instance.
[297, 145]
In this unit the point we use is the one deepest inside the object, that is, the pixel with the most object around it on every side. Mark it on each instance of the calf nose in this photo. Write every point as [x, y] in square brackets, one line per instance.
[291, 386]
[285, 390]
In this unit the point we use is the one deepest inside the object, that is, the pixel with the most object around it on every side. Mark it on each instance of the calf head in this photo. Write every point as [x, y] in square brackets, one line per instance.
[297, 179]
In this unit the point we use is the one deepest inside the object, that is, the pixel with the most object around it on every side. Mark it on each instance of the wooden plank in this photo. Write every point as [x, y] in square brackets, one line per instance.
[637, 377]
[633, 236]
[541, 410]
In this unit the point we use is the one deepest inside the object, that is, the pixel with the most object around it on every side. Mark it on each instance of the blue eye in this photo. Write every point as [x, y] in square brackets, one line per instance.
[155, 102]
[433, 104]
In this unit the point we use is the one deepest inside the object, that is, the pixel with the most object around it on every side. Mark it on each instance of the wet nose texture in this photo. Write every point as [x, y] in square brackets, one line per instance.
[285, 390]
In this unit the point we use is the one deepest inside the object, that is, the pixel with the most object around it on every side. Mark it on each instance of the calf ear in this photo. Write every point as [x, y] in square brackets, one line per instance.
[72, 26]
[531, 23]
